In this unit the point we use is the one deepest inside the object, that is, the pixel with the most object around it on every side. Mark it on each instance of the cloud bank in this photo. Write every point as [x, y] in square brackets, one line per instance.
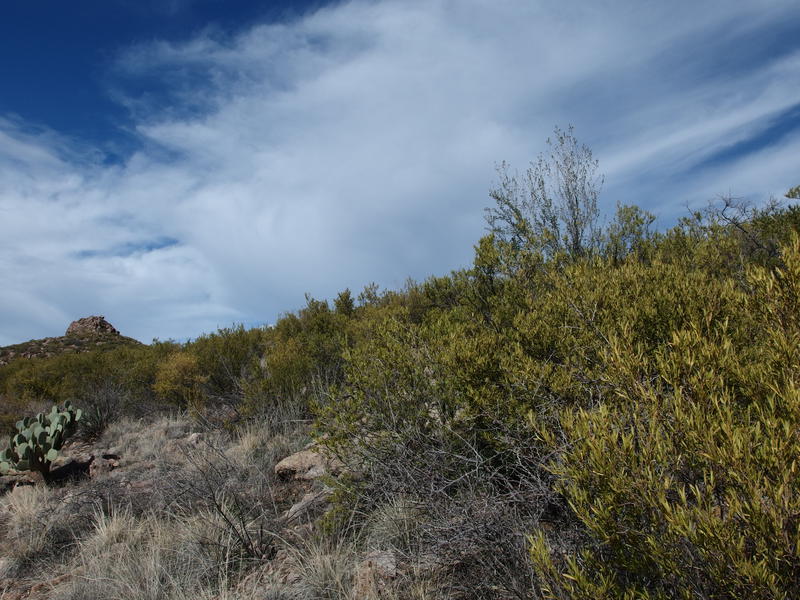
[358, 144]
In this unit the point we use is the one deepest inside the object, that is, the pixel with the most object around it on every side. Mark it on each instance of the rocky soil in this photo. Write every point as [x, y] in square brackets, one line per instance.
[54, 539]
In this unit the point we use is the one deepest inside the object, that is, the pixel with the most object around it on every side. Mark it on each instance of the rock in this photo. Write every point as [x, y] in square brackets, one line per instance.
[374, 574]
[309, 502]
[90, 326]
[104, 463]
[307, 465]
[14, 479]
[71, 468]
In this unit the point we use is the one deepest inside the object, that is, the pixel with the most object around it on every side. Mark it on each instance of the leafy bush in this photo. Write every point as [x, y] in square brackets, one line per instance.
[651, 379]
[684, 475]
[179, 381]
[301, 353]
[77, 376]
[228, 358]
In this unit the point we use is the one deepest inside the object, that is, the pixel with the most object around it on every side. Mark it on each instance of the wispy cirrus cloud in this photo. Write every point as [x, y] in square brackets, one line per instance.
[358, 143]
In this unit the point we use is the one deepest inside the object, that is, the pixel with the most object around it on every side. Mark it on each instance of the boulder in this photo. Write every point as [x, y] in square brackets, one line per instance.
[308, 464]
[89, 326]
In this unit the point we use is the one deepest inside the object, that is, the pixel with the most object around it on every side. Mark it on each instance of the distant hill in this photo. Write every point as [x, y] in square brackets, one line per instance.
[83, 335]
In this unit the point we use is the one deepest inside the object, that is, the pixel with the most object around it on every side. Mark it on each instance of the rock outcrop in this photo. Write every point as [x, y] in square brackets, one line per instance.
[89, 326]
[83, 335]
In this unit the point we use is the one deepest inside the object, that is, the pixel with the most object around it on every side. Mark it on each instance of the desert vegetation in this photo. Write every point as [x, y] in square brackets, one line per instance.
[593, 409]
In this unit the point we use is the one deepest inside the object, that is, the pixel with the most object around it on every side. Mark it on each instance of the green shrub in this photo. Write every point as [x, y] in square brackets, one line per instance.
[77, 376]
[179, 381]
[684, 474]
[656, 376]
[228, 358]
[301, 353]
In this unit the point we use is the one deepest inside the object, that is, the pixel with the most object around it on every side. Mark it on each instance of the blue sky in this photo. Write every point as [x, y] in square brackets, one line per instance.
[179, 165]
[57, 59]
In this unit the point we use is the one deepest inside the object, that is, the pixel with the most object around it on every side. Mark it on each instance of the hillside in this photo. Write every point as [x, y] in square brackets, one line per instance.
[84, 335]
[88, 336]
[605, 413]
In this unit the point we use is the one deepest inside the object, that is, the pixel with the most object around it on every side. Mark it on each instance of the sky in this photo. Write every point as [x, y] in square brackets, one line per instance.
[184, 165]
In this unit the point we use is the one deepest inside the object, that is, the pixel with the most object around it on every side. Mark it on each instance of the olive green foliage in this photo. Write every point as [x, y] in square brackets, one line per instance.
[684, 471]
[344, 304]
[300, 353]
[655, 376]
[629, 233]
[26, 384]
[70, 376]
[225, 359]
[234, 369]
[179, 381]
[36, 444]
[794, 193]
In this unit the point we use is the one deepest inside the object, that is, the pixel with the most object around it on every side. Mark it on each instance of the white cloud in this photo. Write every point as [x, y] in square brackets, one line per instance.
[358, 143]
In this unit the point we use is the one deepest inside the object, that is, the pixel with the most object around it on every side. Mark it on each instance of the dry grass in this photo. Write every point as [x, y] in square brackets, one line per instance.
[442, 505]
[217, 517]
[23, 516]
[395, 525]
[208, 525]
[145, 559]
[260, 448]
[140, 441]
[37, 528]
[326, 568]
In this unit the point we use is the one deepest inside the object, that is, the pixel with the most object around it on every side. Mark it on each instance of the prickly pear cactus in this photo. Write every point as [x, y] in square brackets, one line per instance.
[38, 439]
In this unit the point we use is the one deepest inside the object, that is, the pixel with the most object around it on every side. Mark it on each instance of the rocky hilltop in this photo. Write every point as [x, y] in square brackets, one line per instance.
[82, 335]
[89, 326]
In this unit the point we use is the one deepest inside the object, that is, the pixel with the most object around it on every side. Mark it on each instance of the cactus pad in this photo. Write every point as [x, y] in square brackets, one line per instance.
[38, 439]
